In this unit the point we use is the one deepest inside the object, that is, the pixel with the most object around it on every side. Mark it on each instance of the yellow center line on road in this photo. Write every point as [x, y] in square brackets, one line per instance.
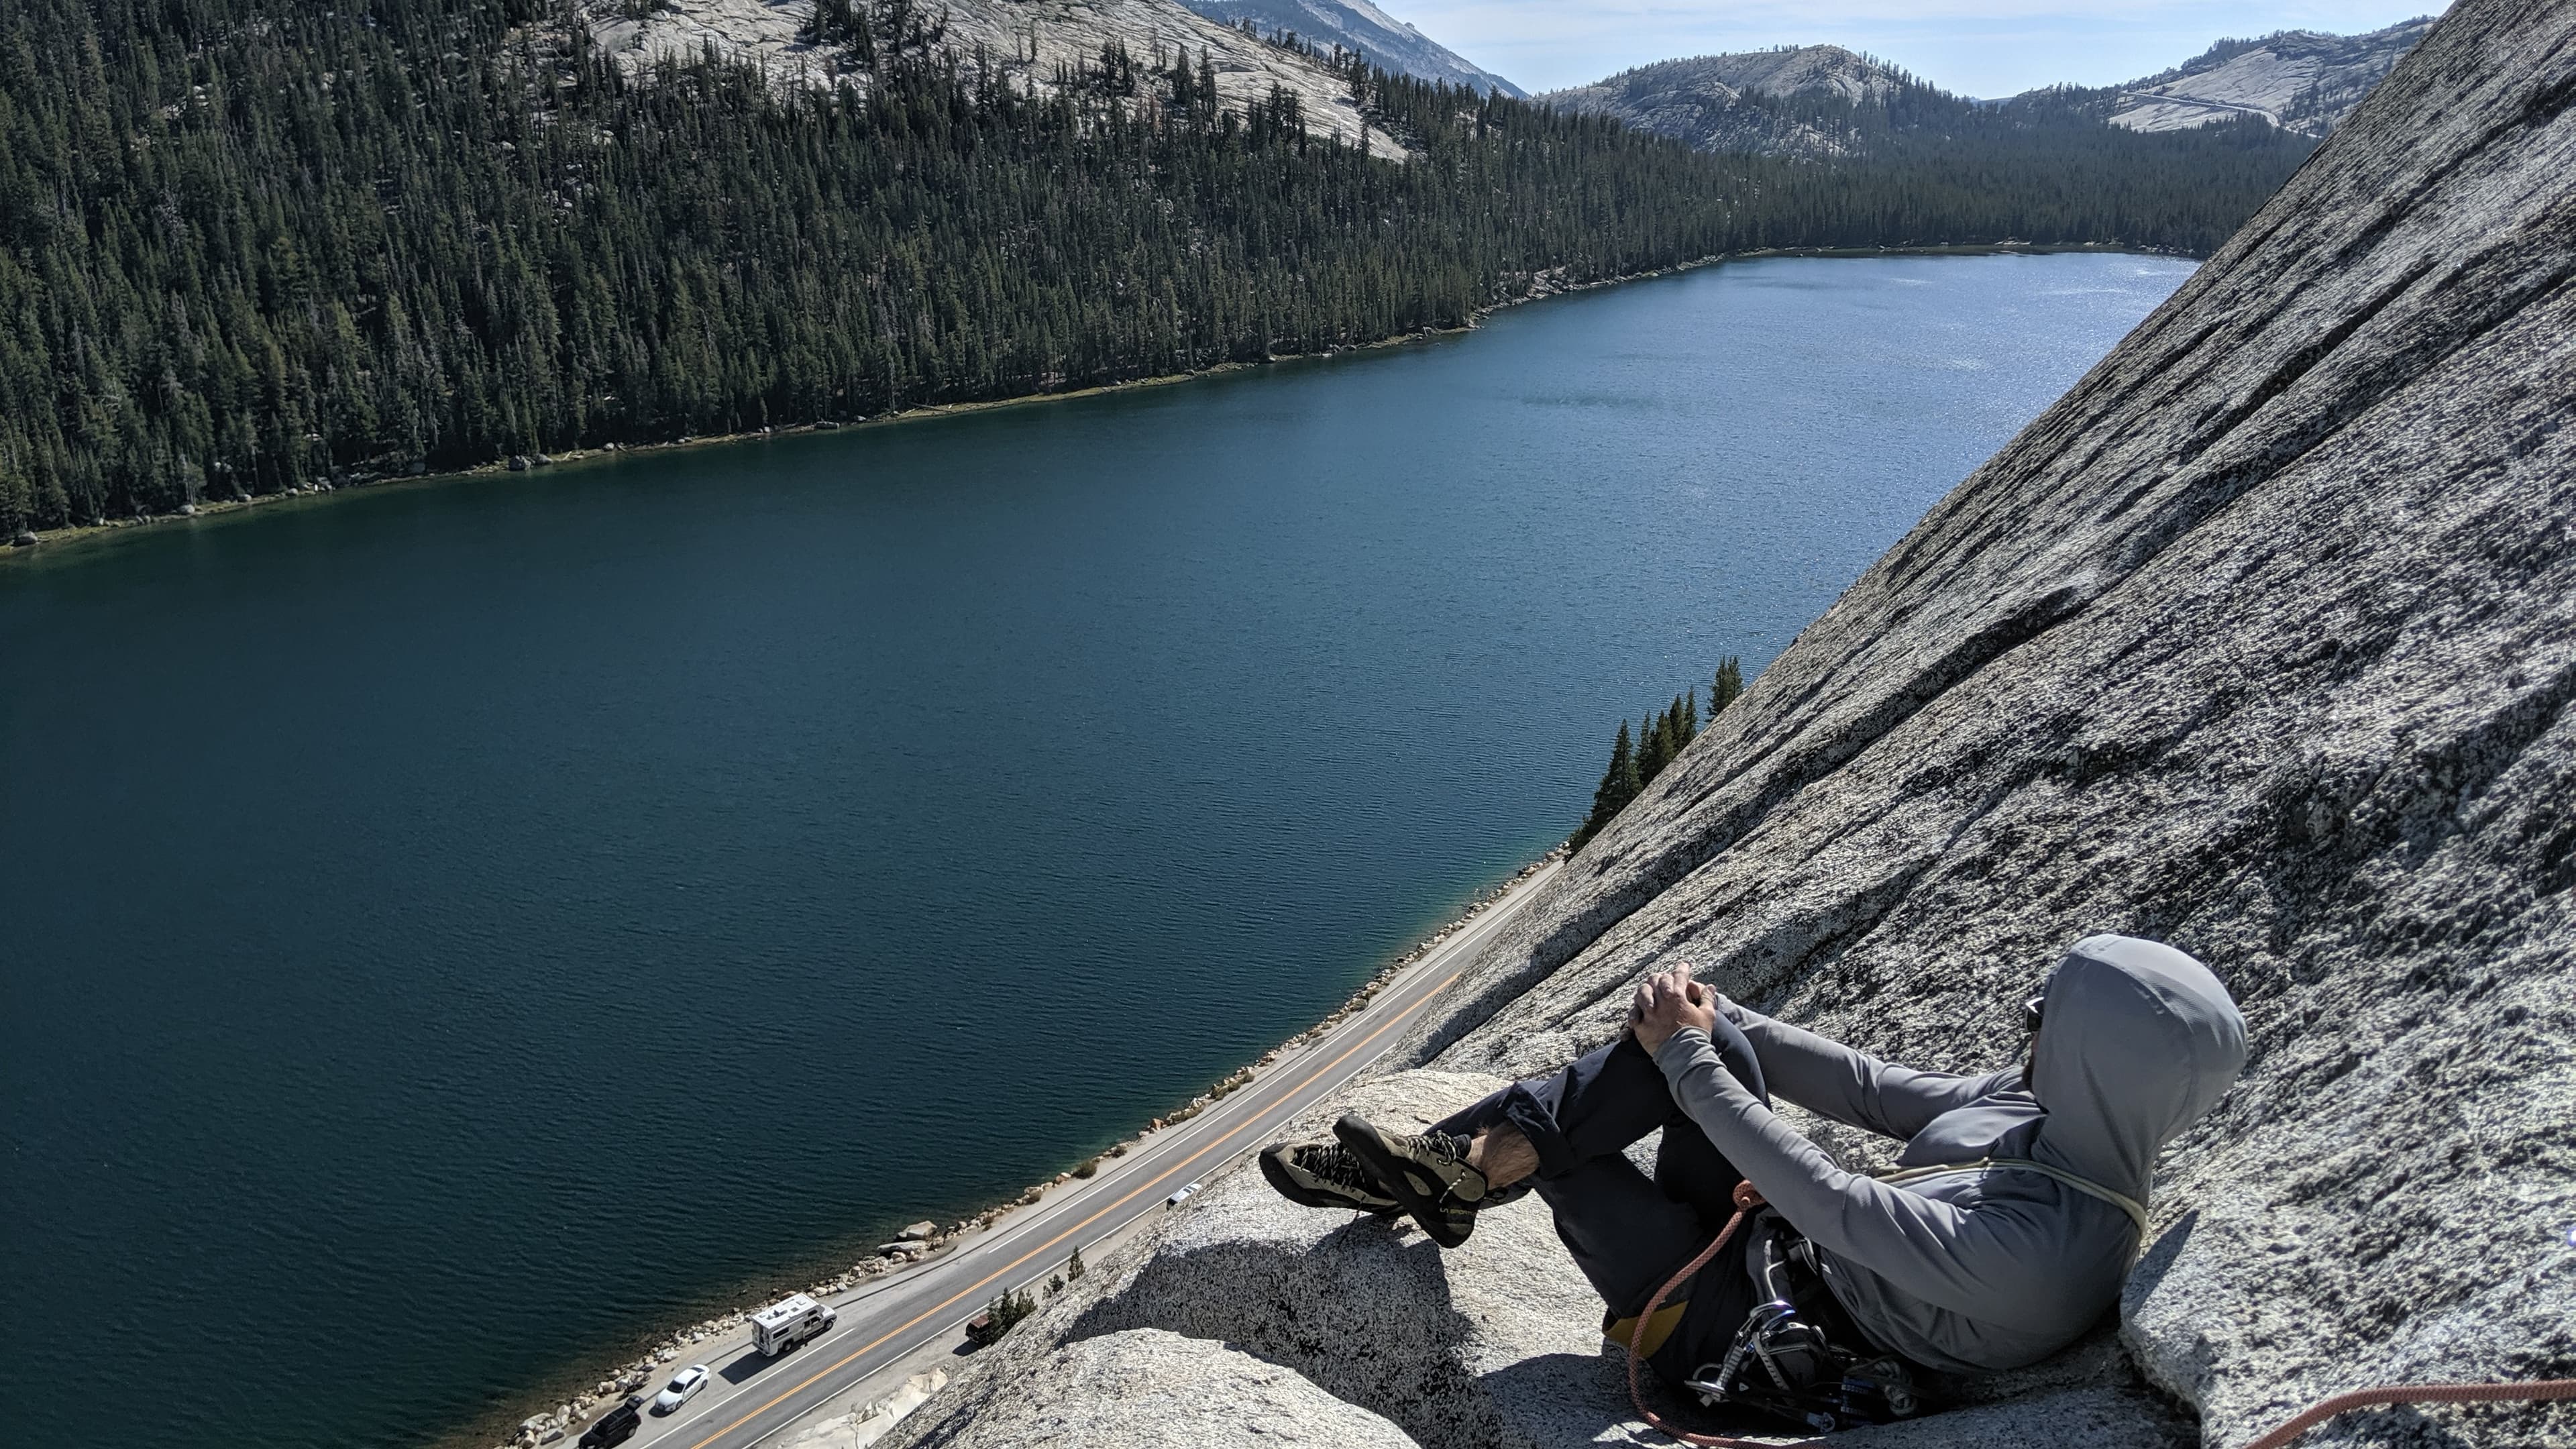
[970, 1289]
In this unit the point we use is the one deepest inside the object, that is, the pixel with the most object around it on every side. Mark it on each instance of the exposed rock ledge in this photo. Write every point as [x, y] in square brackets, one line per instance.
[1024, 40]
[1158, 1390]
[2262, 641]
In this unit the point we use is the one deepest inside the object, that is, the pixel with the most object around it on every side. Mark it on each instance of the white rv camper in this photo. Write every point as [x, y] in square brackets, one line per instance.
[789, 1322]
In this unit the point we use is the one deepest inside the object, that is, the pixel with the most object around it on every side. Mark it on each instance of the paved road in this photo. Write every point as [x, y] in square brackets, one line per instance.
[753, 1399]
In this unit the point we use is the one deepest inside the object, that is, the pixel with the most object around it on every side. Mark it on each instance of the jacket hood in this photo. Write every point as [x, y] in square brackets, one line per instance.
[2137, 1040]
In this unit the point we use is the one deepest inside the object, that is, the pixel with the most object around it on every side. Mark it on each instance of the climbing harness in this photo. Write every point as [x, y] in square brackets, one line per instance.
[1799, 1355]
[1783, 1360]
[1747, 1198]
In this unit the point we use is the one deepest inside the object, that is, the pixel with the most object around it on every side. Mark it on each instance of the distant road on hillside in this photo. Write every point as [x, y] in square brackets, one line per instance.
[753, 1400]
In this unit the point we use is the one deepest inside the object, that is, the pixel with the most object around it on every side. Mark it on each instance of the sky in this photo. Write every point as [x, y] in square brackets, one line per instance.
[1971, 47]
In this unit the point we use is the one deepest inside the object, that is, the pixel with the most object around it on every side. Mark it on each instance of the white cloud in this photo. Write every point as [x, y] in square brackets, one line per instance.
[1974, 47]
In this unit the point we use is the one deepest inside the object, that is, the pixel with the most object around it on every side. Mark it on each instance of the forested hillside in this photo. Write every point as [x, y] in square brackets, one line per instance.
[251, 244]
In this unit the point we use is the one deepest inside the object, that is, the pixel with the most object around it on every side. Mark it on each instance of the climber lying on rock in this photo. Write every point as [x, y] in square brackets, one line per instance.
[2015, 1212]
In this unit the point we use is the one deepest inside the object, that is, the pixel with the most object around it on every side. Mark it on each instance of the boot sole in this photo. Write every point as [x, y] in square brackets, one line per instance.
[1393, 1173]
[1304, 1196]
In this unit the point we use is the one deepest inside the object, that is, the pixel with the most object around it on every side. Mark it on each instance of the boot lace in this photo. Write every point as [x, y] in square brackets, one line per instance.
[1443, 1145]
[1342, 1168]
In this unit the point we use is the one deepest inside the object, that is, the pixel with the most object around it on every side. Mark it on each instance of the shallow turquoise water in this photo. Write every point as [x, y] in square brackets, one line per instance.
[452, 931]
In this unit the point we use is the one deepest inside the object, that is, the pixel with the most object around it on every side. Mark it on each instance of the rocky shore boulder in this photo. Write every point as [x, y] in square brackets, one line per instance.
[2261, 641]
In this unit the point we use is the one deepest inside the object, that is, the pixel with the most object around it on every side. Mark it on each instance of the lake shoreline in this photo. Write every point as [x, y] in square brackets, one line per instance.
[78, 534]
[584, 1392]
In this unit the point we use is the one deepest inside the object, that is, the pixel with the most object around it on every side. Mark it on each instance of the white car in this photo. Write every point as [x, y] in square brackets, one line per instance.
[684, 1386]
[1184, 1195]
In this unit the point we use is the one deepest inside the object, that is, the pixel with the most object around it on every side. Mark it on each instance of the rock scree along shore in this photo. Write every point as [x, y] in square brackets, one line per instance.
[2261, 641]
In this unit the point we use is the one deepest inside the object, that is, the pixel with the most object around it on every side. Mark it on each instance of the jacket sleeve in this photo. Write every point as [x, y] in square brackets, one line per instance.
[1854, 1088]
[1934, 1250]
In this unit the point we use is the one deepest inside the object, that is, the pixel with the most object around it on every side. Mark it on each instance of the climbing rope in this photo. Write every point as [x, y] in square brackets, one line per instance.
[1747, 1198]
[2537, 1391]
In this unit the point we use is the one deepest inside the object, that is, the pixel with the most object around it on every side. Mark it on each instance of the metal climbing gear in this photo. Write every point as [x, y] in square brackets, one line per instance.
[1798, 1355]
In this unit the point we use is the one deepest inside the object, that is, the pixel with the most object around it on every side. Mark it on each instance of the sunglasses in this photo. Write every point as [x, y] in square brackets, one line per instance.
[2030, 1012]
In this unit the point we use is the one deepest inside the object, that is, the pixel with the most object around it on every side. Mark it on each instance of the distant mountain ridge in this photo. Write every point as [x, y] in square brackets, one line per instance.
[1716, 102]
[1389, 43]
[1805, 100]
[2302, 80]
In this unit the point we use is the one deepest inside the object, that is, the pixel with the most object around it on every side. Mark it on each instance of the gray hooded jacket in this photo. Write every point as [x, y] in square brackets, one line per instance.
[1983, 1268]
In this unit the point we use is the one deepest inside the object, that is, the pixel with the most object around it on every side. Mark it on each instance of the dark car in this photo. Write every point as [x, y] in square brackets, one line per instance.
[617, 1425]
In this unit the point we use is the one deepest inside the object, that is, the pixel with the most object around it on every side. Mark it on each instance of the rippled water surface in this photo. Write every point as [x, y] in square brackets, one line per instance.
[450, 931]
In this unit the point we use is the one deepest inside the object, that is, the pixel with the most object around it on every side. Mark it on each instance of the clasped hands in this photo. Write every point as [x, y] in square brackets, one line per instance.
[1668, 1001]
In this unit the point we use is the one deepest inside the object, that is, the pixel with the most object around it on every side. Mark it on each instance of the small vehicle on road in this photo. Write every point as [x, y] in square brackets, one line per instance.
[684, 1386]
[790, 1321]
[616, 1426]
[1184, 1195]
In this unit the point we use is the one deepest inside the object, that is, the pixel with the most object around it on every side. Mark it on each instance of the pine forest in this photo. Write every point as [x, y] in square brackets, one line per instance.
[251, 245]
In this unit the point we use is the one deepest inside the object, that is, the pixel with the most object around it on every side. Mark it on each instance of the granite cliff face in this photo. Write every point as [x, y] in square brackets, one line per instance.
[2262, 641]
[2301, 79]
[1389, 43]
[1024, 40]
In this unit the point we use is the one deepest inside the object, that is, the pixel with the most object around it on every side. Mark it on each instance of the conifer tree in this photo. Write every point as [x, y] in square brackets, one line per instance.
[1626, 783]
[1729, 684]
[1667, 732]
[1672, 728]
[1619, 785]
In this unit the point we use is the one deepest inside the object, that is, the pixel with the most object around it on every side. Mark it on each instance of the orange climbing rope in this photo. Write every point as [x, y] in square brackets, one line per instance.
[2537, 1391]
[1747, 1198]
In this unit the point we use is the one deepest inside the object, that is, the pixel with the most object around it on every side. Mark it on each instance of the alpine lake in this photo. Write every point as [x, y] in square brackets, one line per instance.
[452, 932]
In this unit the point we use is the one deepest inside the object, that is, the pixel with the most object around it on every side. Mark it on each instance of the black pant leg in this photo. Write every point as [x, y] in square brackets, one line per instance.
[1623, 1232]
[1601, 1102]
[1628, 1233]
[1608, 1099]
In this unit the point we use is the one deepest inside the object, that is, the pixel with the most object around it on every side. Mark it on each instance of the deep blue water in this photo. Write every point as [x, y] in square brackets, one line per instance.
[449, 932]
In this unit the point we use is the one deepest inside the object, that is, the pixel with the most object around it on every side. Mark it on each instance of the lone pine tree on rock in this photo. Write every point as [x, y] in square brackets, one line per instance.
[1726, 687]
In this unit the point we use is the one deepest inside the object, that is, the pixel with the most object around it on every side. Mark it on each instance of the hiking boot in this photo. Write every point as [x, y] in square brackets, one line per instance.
[1428, 1174]
[1324, 1175]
